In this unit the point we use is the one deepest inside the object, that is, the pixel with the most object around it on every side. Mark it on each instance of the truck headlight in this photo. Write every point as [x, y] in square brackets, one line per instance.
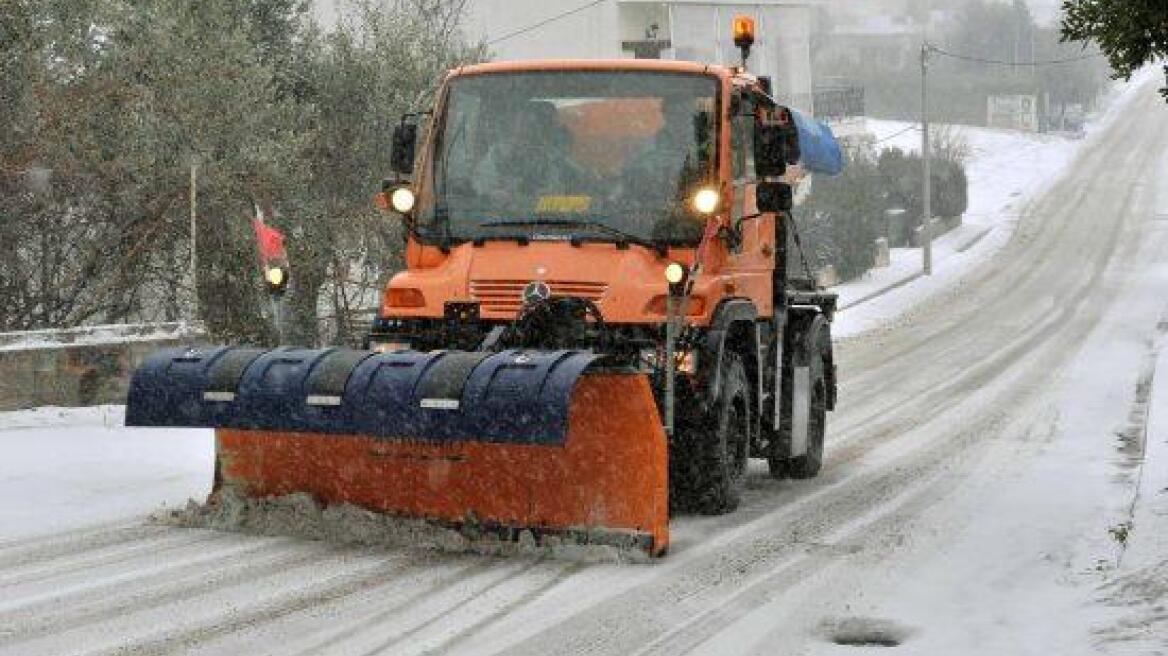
[402, 199]
[706, 201]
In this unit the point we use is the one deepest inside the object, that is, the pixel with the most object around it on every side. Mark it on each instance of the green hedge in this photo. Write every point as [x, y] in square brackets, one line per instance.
[843, 216]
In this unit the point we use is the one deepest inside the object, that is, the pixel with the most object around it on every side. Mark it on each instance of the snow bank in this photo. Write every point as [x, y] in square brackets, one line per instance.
[93, 335]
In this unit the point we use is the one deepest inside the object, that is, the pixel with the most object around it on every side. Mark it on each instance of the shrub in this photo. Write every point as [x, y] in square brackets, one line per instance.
[843, 216]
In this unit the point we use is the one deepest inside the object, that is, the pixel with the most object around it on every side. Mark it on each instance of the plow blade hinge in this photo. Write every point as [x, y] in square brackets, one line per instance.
[327, 381]
[442, 386]
[223, 375]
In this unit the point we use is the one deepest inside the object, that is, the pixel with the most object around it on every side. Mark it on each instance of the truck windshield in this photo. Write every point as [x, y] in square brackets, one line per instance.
[605, 155]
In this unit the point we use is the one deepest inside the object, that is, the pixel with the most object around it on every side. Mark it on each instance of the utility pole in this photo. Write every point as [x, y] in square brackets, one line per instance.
[927, 183]
[194, 249]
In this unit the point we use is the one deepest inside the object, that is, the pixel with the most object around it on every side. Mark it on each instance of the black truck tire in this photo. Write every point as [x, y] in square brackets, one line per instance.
[723, 442]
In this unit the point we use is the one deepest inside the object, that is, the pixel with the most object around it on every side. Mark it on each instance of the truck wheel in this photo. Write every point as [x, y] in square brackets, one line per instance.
[725, 442]
[808, 464]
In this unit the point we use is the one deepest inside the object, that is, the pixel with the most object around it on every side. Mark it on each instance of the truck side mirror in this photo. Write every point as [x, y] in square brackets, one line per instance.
[405, 139]
[774, 197]
[770, 156]
[776, 144]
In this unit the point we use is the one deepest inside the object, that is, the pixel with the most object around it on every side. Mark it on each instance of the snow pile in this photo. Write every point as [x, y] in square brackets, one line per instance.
[300, 515]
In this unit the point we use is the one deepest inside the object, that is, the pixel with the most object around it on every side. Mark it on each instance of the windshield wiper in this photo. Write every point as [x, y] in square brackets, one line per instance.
[621, 237]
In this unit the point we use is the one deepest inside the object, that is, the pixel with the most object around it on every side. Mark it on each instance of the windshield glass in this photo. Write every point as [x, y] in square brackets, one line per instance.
[559, 154]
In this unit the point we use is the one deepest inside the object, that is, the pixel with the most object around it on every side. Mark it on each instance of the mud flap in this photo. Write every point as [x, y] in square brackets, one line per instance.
[800, 410]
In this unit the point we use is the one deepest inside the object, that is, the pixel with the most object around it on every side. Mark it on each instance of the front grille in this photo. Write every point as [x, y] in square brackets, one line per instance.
[506, 296]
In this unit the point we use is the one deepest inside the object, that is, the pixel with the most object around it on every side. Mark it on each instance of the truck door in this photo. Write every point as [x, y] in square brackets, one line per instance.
[751, 256]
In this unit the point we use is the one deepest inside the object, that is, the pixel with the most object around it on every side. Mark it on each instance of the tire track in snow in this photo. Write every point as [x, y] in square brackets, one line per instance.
[124, 573]
[287, 602]
[426, 602]
[193, 615]
[23, 552]
[558, 578]
[380, 617]
[86, 561]
[857, 535]
[111, 597]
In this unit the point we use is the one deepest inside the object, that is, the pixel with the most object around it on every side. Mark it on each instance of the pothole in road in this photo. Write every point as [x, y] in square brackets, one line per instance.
[865, 632]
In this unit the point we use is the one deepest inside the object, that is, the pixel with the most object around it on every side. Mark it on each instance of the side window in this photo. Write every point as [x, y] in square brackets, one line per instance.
[742, 139]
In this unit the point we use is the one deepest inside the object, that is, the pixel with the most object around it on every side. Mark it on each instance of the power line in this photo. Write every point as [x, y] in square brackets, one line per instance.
[897, 134]
[545, 21]
[1002, 62]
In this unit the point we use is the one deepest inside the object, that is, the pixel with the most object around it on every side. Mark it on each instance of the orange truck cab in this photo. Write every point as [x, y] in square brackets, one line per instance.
[639, 209]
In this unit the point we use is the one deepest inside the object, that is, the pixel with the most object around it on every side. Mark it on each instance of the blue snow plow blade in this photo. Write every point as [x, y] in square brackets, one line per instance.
[819, 150]
[507, 397]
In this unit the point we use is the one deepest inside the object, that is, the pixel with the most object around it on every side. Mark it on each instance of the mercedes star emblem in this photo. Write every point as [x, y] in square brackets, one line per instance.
[536, 291]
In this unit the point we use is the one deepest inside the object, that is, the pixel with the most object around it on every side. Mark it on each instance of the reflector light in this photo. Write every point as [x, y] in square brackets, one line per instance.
[674, 273]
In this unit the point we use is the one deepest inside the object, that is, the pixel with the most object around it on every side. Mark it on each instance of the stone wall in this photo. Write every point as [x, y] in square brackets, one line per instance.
[91, 370]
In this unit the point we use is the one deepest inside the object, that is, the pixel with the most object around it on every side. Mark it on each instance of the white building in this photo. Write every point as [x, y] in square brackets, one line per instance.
[680, 29]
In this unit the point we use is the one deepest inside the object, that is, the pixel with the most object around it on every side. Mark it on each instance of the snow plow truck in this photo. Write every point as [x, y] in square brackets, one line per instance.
[596, 326]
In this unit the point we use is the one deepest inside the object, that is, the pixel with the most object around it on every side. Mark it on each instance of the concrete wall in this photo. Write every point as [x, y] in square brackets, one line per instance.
[76, 374]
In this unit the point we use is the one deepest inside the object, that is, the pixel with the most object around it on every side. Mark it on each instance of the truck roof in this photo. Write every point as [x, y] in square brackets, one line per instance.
[662, 65]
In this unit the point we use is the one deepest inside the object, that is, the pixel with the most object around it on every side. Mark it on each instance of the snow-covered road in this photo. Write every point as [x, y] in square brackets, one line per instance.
[987, 452]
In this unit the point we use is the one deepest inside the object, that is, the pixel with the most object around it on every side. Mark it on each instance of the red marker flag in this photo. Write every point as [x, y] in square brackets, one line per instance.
[273, 257]
[269, 240]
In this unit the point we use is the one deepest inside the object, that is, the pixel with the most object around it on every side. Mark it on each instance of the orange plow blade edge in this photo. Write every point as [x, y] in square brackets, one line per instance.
[610, 475]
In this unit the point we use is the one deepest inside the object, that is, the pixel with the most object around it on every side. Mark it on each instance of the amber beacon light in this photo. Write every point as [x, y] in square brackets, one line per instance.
[744, 34]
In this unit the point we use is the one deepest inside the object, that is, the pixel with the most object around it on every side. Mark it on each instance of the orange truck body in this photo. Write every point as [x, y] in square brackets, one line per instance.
[625, 284]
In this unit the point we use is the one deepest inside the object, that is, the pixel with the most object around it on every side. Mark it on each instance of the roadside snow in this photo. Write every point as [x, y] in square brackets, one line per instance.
[65, 468]
[1058, 541]
[104, 334]
[1139, 589]
[1007, 170]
